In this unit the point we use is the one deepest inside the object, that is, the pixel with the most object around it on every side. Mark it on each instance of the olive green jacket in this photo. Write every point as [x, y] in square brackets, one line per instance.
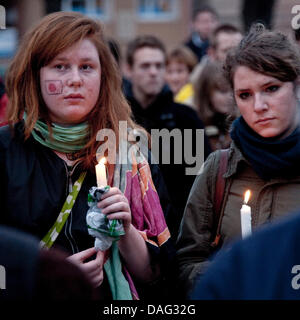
[269, 200]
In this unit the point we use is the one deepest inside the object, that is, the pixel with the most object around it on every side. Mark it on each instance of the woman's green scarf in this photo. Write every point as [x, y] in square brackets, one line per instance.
[63, 139]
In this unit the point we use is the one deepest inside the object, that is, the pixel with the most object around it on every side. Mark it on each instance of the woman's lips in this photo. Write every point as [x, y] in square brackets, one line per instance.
[264, 120]
[74, 96]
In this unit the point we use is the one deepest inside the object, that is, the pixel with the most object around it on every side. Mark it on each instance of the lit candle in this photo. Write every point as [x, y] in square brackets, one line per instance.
[246, 216]
[101, 173]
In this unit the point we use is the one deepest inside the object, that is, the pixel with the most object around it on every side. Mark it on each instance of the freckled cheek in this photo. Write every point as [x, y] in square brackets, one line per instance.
[51, 99]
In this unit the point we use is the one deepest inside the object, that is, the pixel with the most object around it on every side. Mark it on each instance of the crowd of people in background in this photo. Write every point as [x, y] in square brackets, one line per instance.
[239, 89]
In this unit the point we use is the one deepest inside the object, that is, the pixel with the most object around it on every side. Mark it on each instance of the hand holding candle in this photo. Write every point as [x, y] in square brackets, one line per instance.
[99, 226]
[246, 216]
[101, 173]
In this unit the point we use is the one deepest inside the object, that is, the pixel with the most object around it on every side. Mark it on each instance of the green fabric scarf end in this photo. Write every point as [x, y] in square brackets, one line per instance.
[118, 284]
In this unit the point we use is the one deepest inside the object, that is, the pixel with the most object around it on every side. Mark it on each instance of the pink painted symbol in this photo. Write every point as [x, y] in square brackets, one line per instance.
[54, 86]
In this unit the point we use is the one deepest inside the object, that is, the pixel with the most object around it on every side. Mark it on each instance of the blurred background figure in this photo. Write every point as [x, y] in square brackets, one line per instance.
[115, 50]
[153, 107]
[204, 21]
[224, 37]
[3, 103]
[257, 11]
[179, 65]
[33, 274]
[215, 105]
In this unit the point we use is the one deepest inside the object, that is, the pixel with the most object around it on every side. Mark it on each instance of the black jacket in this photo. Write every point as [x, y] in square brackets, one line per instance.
[198, 46]
[164, 113]
[34, 184]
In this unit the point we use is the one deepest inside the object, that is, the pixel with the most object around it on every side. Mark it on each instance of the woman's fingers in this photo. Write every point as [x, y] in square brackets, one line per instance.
[112, 191]
[116, 207]
[94, 269]
[96, 264]
[112, 199]
[82, 255]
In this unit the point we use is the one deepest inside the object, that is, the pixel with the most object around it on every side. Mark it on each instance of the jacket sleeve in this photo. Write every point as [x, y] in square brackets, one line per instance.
[195, 234]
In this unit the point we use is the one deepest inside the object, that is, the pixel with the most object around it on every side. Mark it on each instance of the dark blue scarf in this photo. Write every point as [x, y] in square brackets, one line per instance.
[269, 157]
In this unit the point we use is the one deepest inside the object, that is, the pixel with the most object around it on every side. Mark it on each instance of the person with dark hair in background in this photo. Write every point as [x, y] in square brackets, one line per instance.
[116, 52]
[3, 104]
[154, 108]
[204, 21]
[224, 37]
[263, 72]
[257, 11]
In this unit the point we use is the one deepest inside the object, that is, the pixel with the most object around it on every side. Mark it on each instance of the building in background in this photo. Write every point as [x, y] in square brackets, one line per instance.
[170, 20]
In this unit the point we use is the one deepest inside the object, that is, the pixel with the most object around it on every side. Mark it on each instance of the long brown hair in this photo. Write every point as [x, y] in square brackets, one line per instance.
[210, 79]
[52, 35]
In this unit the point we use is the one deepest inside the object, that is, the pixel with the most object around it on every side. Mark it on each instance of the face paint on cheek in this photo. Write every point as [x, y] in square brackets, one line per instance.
[54, 87]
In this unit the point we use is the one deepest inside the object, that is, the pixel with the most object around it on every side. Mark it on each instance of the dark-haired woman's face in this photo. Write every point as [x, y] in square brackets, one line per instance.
[268, 105]
[70, 84]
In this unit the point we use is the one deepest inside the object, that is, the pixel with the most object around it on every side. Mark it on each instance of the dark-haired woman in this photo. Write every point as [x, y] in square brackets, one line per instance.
[264, 156]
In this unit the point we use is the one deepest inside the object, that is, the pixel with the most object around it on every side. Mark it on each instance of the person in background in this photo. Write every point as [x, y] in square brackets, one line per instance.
[65, 84]
[154, 108]
[180, 63]
[261, 11]
[34, 274]
[205, 20]
[224, 38]
[115, 49]
[263, 72]
[215, 106]
[3, 104]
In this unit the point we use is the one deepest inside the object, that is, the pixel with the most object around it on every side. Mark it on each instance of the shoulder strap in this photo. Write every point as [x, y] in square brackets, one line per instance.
[53, 233]
[219, 195]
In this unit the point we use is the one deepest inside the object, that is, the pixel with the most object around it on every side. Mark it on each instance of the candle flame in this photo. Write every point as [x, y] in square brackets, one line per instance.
[102, 160]
[247, 196]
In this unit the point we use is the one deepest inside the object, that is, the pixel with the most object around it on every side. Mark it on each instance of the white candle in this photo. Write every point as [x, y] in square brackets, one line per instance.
[101, 173]
[246, 216]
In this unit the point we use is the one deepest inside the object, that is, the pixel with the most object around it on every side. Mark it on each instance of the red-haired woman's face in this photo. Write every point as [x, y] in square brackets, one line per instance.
[268, 105]
[70, 83]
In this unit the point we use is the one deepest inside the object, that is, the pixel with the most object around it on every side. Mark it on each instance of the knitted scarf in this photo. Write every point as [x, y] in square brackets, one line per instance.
[269, 157]
[63, 139]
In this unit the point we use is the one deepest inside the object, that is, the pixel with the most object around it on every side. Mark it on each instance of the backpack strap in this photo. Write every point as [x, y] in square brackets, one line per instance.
[219, 196]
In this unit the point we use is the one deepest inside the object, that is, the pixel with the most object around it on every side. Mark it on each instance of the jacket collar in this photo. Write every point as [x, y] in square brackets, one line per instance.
[163, 98]
[235, 157]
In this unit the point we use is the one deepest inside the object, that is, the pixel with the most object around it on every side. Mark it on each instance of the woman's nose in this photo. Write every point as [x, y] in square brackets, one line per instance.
[259, 103]
[74, 78]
